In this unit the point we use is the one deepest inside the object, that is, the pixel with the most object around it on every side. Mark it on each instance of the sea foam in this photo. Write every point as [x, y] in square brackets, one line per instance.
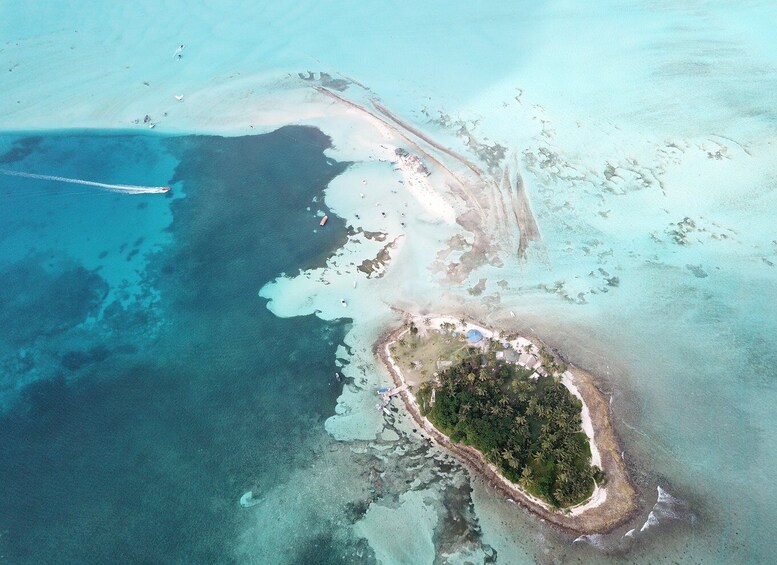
[666, 509]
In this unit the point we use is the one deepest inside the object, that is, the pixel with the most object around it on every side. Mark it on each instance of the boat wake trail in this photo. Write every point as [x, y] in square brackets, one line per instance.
[121, 188]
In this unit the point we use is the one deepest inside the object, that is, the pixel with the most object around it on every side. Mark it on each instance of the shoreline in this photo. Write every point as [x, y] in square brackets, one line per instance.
[608, 507]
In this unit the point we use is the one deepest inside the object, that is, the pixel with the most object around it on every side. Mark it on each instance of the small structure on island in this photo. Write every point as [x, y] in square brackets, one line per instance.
[509, 355]
[474, 336]
[524, 359]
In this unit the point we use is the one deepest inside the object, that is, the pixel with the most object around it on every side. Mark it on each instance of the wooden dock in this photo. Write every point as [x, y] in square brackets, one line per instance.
[395, 391]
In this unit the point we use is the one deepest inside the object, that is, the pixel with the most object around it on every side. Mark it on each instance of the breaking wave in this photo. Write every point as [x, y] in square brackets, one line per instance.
[599, 541]
[667, 507]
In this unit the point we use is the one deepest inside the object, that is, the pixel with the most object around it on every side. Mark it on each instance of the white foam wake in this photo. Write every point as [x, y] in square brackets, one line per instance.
[122, 188]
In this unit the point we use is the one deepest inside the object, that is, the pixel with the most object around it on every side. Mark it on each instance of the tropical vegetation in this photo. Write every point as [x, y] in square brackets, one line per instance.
[529, 428]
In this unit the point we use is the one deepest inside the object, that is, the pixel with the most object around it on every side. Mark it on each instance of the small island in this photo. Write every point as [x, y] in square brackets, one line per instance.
[535, 427]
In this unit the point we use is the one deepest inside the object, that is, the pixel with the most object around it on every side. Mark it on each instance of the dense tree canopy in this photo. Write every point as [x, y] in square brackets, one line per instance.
[530, 429]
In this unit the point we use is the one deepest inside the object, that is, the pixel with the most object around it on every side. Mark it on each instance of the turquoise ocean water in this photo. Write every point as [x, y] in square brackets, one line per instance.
[144, 386]
[158, 387]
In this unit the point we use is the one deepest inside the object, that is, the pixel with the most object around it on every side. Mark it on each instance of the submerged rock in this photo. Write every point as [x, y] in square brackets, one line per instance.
[248, 500]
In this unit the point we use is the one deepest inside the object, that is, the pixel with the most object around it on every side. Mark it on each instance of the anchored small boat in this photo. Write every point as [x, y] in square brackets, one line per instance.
[383, 406]
[323, 220]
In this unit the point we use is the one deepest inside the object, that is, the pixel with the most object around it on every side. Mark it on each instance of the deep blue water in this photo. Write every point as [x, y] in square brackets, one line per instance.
[158, 388]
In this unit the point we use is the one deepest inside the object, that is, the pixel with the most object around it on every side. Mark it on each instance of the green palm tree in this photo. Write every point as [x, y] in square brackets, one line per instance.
[511, 459]
[527, 477]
